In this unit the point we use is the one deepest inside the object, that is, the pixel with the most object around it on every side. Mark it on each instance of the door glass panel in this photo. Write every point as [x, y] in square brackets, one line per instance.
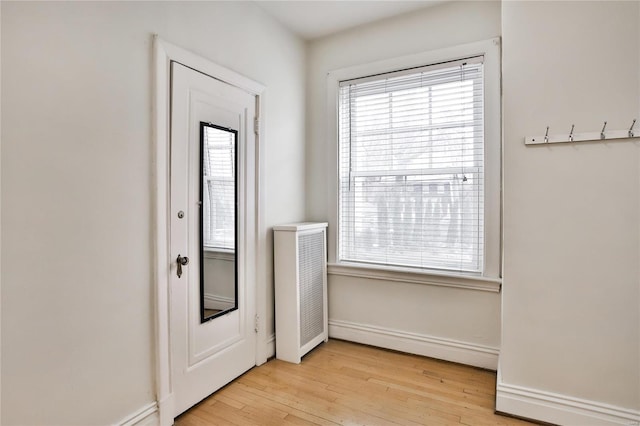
[218, 221]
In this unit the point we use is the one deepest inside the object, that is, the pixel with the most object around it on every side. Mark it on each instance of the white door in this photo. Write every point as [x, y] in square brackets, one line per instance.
[212, 331]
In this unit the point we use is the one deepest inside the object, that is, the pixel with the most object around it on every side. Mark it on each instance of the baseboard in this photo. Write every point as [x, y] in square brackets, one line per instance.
[212, 301]
[145, 416]
[419, 344]
[559, 409]
[271, 346]
[166, 410]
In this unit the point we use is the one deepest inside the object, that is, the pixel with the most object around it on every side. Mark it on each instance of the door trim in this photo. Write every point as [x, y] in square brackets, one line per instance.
[163, 54]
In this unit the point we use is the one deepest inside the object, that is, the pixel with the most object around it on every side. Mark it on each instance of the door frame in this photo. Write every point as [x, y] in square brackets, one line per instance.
[164, 54]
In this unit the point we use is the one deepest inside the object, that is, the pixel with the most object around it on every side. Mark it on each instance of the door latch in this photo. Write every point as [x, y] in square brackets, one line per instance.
[182, 261]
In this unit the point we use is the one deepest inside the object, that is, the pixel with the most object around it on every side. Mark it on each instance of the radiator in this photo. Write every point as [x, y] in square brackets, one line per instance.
[300, 269]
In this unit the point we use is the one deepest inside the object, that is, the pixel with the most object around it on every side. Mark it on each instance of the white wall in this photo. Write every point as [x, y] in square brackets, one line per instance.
[426, 313]
[571, 317]
[77, 295]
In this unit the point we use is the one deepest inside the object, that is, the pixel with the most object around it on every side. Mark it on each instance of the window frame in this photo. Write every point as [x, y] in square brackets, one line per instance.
[490, 278]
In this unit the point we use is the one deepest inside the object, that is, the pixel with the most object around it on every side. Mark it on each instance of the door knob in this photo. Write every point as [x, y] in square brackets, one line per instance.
[182, 261]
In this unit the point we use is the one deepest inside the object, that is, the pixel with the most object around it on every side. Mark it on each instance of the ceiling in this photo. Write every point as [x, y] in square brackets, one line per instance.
[315, 19]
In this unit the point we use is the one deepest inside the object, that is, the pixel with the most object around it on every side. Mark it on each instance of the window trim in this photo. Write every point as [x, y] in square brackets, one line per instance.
[490, 49]
[412, 276]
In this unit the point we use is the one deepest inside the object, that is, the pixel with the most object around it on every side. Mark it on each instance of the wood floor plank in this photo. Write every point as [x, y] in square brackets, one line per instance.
[228, 413]
[401, 406]
[237, 392]
[391, 376]
[343, 383]
[295, 420]
[220, 396]
[386, 368]
[320, 407]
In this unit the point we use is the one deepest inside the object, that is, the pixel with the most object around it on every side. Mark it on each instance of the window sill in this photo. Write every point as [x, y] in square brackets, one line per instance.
[469, 282]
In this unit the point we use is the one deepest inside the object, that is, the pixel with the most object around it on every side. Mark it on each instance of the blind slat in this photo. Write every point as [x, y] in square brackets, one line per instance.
[411, 168]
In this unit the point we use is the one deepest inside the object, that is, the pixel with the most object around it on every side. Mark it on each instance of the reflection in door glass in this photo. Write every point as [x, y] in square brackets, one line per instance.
[218, 275]
[219, 189]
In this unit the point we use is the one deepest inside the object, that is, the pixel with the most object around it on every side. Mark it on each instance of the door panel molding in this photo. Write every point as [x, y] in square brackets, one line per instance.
[164, 53]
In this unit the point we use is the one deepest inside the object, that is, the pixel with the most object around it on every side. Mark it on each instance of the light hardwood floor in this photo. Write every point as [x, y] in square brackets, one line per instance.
[346, 383]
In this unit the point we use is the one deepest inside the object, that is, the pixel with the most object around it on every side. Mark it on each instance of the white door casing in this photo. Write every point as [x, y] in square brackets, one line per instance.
[164, 55]
[207, 355]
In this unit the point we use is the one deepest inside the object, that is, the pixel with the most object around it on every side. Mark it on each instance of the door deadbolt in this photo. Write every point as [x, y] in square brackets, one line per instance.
[182, 261]
[180, 214]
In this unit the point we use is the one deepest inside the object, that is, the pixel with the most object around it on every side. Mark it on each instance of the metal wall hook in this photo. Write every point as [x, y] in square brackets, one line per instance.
[602, 136]
[571, 133]
[546, 135]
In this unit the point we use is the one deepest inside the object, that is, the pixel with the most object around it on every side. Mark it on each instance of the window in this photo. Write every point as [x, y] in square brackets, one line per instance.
[418, 164]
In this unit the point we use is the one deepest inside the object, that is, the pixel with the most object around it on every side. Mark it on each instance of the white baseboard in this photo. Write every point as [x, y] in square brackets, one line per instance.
[419, 344]
[166, 410]
[271, 346]
[559, 409]
[145, 416]
[212, 301]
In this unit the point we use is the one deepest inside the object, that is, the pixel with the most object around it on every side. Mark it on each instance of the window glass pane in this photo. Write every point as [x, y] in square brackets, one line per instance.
[411, 184]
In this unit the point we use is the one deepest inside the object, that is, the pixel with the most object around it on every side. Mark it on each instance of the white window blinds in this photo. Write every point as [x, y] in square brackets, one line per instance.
[411, 180]
[218, 188]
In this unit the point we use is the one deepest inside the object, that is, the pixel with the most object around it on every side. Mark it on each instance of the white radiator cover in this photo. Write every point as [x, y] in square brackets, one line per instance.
[300, 267]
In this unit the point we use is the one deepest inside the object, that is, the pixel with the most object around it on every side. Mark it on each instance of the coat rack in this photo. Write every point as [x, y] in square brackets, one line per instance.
[604, 134]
